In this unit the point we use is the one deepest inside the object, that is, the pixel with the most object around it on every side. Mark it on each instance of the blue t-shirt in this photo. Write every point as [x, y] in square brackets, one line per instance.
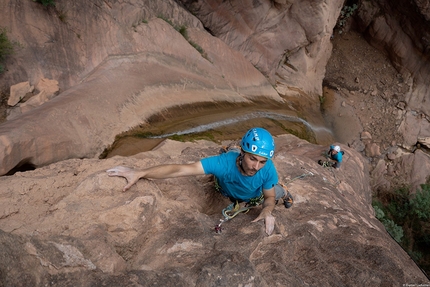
[337, 157]
[233, 183]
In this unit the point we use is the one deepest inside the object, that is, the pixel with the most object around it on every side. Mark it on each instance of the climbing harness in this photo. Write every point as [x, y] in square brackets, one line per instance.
[234, 209]
[325, 163]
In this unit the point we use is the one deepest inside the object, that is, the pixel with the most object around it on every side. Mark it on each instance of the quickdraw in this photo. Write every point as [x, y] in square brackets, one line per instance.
[324, 163]
[234, 209]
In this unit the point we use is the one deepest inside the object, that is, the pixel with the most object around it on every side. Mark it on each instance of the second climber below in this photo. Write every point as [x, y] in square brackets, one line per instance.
[336, 155]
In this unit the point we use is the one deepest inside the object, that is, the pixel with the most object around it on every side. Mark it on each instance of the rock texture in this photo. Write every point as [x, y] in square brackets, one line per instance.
[120, 64]
[126, 90]
[69, 223]
[389, 26]
[288, 41]
[115, 80]
[68, 41]
[141, 66]
[364, 103]
[22, 99]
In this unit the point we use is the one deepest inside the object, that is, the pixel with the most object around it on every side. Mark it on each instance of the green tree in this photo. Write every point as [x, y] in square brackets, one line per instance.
[392, 228]
[420, 203]
[406, 218]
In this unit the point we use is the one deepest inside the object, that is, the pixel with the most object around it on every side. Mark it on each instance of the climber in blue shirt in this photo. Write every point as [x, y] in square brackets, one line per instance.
[335, 154]
[242, 175]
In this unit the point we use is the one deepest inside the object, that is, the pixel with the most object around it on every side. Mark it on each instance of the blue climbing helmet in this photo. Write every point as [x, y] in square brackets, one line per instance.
[258, 141]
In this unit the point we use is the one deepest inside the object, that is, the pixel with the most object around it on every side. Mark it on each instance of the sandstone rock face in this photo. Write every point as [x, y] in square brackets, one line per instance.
[137, 67]
[413, 127]
[391, 128]
[406, 41]
[46, 89]
[70, 222]
[288, 41]
[18, 92]
[126, 90]
[68, 42]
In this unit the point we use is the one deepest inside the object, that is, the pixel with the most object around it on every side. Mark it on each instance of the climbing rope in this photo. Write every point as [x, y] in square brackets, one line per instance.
[329, 164]
[299, 177]
[234, 209]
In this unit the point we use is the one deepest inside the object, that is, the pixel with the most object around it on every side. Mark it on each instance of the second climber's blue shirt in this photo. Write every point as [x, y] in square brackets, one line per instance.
[233, 183]
[337, 157]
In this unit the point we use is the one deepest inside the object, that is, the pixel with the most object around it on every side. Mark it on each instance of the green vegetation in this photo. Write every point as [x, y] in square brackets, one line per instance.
[393, 229]
[406, 218]
[421, 203]
[46, 3]
[183, 31]
[206, 135]
[6, 48]
[144, 21]
[345, 14]
[62, 15]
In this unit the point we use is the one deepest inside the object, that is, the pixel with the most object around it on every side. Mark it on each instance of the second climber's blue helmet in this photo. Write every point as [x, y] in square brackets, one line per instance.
[258, 141]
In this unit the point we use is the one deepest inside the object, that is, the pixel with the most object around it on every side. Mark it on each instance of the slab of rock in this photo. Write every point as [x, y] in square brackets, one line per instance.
[425, 141]
[260, 34]
[47, 90]
[70, 222]
[365, 136]
[413, 127]
[18, 92]
[372, 150]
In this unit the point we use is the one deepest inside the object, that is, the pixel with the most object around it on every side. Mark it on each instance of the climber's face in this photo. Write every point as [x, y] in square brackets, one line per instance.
[252, 163]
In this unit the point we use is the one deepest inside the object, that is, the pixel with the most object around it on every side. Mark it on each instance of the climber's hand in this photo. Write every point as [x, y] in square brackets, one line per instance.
[269, 220]
[128, 173]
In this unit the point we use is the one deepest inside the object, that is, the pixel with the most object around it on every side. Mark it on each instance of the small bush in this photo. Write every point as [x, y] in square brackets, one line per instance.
[183, 31]
[393, 229]
[62, 15]
[345, 14]
[46, 3]
[379, 213]
[6, 48]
